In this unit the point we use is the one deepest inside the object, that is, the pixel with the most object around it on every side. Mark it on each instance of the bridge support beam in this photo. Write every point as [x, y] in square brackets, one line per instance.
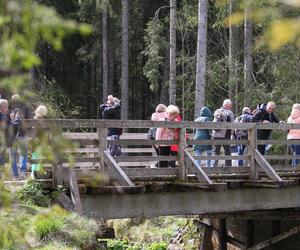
[189, 203]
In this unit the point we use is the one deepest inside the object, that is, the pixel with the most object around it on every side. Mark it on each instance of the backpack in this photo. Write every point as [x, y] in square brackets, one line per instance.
[259, 106]
[240, 133]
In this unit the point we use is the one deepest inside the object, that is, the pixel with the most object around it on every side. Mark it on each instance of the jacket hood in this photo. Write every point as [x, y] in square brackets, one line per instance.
[205, 111]
[295, 113]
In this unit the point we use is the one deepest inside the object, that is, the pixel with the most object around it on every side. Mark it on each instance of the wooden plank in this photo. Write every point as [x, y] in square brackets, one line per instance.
[145, 158]
[200, 173]
[150, 172]
[135, 164]
[182, 170]
[281, 157]
[139, 142]
[226, 170]
[102, 137]
[279, 142]
[222, 157]
[74, 190]
[95, 150]
[95, 123]
[217, 142]
[116, 171]
[275, 239]
[266, 166]
[252, 135]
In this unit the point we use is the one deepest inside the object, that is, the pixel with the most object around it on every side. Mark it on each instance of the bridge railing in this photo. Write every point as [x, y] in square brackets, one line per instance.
[256, 163]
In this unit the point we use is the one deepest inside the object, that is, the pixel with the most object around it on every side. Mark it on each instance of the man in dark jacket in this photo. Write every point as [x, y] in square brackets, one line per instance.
[265, 115]
[112, 110]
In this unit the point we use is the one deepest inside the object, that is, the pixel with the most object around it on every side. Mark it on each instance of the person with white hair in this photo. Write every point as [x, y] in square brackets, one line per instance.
[4, 123]
[265, 114]
[112, 110]
[167, 134]
[223, 114]
[40, 112]
[242, 134]
[294, 134]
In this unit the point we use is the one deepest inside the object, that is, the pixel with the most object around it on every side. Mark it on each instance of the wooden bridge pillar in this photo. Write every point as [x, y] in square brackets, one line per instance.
[102, 146]
[252, 137]
[182, 173]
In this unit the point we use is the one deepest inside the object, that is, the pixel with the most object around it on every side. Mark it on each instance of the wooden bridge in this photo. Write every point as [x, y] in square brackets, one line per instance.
[129, 185]
[101, 186]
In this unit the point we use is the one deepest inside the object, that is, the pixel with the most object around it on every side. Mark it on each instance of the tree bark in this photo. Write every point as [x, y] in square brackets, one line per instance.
[172, 90]
[104, 54]
[233, 60]
[125, 61]
[201, 57]
[248, 59]
[164, 97]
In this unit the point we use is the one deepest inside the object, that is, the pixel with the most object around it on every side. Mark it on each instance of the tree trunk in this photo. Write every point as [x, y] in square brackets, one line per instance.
[233, 61]
[164, 98]
[201, 57]
[104, 52]
[172, 90]
[248, 60]
[124, 74]
[111, 64]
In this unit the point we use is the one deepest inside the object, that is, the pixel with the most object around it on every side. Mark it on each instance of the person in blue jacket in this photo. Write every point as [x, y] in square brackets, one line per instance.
[203, 134]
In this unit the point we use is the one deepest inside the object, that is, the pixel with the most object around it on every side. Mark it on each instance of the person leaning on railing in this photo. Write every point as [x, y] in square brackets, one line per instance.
[203, 134]
[167, 134]
[223, 114]
[160, 114]
[265, 114]
[294, 134]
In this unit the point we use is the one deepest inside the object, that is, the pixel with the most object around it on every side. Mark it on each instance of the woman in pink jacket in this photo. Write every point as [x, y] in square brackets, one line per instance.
[167, 134]
[294, 134]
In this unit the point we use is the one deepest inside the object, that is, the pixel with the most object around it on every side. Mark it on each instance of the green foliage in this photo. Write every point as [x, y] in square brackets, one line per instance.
[154, 51]
[12, 230]
[157, 246]
[23, 24]
[32, 193]
[57, 102]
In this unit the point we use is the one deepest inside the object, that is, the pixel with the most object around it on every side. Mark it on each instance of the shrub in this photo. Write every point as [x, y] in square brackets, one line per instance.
[33, 194]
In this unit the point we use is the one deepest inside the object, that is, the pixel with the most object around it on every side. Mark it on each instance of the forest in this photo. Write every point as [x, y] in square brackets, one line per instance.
[138, 54]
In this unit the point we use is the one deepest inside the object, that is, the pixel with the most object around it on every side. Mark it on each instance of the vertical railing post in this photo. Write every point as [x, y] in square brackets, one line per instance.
[102, 137]
[252, 137]
[182, 173]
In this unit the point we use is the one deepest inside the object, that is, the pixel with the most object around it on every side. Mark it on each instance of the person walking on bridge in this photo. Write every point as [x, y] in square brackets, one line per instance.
[223, 114]
[167, 134]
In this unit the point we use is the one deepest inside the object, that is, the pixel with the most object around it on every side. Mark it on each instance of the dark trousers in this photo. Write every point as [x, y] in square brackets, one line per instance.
[217, 149]
[261, 148]
[164, 151]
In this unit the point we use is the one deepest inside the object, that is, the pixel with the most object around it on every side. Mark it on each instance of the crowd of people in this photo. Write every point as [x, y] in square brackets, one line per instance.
[263, 113]
[14, 136]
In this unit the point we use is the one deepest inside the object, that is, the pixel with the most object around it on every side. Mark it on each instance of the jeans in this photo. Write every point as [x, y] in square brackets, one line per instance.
[114, 150]
[296, 151]
[22, 144]
[241, 150]
[198, 152]
[2, 158]
[217, 149]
